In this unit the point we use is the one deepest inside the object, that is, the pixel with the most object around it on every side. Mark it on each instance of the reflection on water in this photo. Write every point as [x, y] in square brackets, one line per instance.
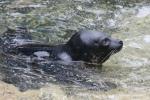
[54, 22]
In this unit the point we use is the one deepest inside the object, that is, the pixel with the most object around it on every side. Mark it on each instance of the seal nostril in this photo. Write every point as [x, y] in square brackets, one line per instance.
[121, 42]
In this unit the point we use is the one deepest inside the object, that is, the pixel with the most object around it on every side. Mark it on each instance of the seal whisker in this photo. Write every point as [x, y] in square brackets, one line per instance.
[109, 54]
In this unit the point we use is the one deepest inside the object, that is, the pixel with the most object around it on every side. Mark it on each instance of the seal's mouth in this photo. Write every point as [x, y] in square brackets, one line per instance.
[115, 50]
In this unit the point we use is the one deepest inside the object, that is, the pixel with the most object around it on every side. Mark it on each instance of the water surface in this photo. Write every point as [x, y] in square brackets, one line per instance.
[55, 21]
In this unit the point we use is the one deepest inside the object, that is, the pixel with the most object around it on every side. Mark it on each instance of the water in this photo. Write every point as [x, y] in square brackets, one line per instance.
[55, 21]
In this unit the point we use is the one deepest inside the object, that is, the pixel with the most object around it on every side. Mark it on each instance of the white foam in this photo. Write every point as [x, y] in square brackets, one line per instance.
[36, 6]
[135, 45]
[111, 22]
[41, 54]
[20, 41]
[16, 14]
[144, 11]
[65, 57]
[79, 8]
[23, 41]
[135, 62]
[147, 39]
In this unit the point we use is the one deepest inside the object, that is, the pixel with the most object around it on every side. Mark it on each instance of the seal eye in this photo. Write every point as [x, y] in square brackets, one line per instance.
[106, 42]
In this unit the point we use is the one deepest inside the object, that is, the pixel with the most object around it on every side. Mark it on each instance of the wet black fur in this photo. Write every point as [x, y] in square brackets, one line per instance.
[98, 50]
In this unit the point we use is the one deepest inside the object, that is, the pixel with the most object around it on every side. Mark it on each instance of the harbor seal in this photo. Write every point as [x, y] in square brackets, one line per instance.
[86, 45]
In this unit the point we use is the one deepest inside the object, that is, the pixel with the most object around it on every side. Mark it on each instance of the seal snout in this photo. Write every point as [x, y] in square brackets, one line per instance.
[121, 42]
[120, 45]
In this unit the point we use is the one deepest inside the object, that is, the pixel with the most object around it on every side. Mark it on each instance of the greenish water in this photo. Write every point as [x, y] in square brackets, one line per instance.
[54, 21]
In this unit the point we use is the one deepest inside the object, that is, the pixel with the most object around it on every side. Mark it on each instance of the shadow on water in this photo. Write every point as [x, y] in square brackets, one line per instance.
[27, 73]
